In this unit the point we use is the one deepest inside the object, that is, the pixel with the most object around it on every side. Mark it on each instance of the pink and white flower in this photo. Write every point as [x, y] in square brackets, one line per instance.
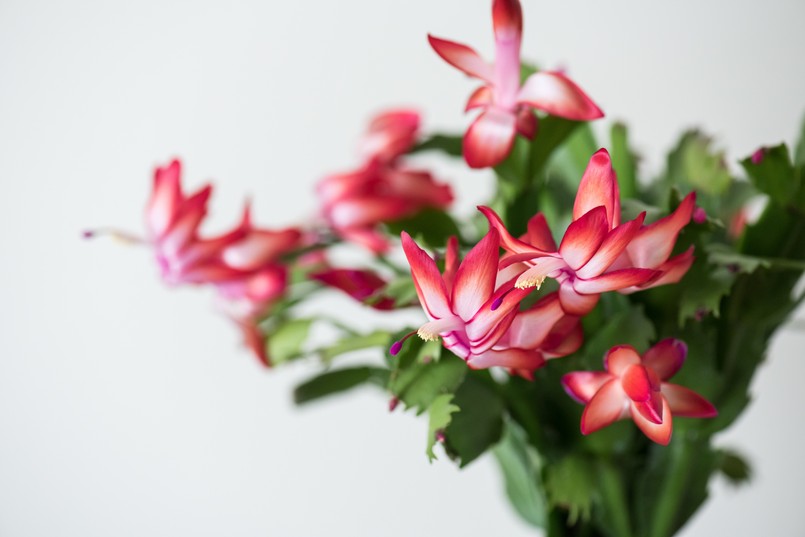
[635, 387]
[598, 253]
[382, 189]
[506, 105]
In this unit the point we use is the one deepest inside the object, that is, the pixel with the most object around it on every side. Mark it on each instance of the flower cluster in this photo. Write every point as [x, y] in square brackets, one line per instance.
[474, 306]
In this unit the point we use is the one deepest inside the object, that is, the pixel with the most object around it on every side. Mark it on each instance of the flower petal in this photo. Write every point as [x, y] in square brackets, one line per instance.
[507, 19]
[480, 98]
[575, 303]
[643, 388]
[583, 237]
[165, 198]
[507, 241]
[451, 262]
[511, 358]
[461, 57]
[526, 122]
[556, 94]
[390, 134]
[653, 244]
[475, 278]
[428, 282]
[687, 403]
[598, 187]
[612, 281]
[619, 358]
[672, 270]
[657, 432]
[607, 405]
[613, 245]
[539, 234]
[532, 326]
[666, 357]
[582, 385]
[489, 139]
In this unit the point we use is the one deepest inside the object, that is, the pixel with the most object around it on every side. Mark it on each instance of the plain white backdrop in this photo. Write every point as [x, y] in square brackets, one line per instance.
[128, 409]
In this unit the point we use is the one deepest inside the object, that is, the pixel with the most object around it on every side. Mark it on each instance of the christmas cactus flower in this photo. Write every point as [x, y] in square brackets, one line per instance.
[382, 189]
[506, 105]
[593, 242]
[635, 386]
[467, 306]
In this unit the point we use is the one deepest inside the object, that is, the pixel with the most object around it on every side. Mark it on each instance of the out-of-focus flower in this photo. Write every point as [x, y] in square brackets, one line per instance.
[361, 284]
[634, 386]
[506, 106]
[382, 189]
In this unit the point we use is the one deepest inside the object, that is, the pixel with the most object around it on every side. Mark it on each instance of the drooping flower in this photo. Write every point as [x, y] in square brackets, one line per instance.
[383, 189]
[506, 105]
[635, 386]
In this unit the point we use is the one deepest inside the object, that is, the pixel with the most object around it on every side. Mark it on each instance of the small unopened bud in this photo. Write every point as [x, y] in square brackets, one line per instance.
[395, 348]
[393, 402]
[701, 313]
[757, 156]
[87, 234]
[699, 215]
[440, 436]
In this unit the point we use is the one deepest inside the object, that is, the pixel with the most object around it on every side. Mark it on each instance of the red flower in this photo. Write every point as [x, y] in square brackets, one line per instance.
[382, 189]
[634, 386]
[506, 106]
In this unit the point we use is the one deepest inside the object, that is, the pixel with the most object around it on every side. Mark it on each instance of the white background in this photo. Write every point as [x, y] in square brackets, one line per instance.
[127, 409]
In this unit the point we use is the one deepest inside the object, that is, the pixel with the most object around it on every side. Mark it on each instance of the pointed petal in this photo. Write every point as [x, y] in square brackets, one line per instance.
[511, 358]
[507, 241]
[613, 246]
[615, 280]
[427, 280]
[489, 139]
[531, 327]
[643, 388]
[575, 303]
[390, 134]
[539, 234]
[583, 237]
[556, 94]
[254, 339]
[489, 324]
[660, 433]
[259, 247]
[583, 385]
[480, 98]
[598, 187]
[362, 211]
[165, 198]
[619, 358]
[606, 406]
[565, 338]
[687, 403]
[451, 262]
[526, 122]
[185, 224]
[654, 243]
[369, 238]
[507, 18]
[475, 278]
[672, 270]
[666, 357]
[461, 57]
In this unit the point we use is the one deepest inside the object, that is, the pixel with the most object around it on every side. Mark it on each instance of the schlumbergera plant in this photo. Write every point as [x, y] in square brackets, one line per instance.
[591, 328]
